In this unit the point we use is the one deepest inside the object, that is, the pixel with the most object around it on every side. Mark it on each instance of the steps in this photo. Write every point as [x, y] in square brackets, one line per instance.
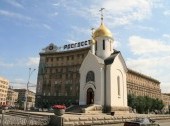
[93, 109]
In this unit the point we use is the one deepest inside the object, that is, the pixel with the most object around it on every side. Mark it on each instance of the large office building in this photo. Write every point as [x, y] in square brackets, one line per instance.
[58, 75]
[142, 85]
[4, 84]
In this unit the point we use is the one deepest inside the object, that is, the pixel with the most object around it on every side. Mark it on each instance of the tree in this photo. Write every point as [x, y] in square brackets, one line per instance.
[144, 104]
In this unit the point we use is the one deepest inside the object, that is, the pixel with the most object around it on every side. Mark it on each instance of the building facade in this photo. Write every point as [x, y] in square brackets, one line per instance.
[166, 101]
[21, 98]
[12, 97]
[4, 84]
[142, 85]
[58, 76]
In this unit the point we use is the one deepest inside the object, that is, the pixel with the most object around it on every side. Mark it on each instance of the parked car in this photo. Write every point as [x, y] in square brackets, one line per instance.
[4, 107]
[141, 122]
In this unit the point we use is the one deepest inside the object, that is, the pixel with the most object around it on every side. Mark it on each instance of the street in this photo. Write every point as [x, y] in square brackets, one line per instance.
[164, 123]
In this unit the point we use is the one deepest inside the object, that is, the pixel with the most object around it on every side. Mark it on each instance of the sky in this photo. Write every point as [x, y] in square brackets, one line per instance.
[141, 31]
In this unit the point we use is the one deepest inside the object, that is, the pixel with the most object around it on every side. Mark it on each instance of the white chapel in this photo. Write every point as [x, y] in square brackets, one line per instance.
[103, 73]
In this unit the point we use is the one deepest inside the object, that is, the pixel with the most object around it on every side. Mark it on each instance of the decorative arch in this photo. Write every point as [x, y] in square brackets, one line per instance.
[90, 76]
[90, 96]
[89, 93]
[120, 82]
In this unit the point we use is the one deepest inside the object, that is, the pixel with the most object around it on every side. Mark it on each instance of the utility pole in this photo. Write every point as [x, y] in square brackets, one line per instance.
[26, 97]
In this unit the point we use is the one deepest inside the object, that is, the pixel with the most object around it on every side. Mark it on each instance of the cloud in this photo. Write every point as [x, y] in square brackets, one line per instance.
[32, 61]
[14, 15]
[156, 67]
[54, 14]
[7, 65]
[70, 41]
[14, 3]
[78, 32]
[144, 28]
[116, 12]
[141, 46]
[166, 13]
[46, 26]
[166, 36]
[56, 4]
[150, 57]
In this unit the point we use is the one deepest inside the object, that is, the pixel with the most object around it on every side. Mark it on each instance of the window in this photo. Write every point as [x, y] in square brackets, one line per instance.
[103, 44]
[118, 85]
[90, 76]
[46, 59]
[67, 57]
[96, 45]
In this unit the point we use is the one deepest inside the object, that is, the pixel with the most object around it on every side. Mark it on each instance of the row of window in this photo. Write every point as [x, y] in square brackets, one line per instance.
[67, 58]
[1, 90]
[141, 79]
[3, 82]
[62, 76]
[3, 86]
[61, 70]
[2, 99]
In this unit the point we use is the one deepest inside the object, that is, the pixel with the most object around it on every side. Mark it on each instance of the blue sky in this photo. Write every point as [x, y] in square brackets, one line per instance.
[141, 31]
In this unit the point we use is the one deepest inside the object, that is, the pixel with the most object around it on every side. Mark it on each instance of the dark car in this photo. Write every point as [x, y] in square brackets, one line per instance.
[141, 122]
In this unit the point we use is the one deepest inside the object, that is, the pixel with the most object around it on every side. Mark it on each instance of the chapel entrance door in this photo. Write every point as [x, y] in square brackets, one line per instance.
[90, 96]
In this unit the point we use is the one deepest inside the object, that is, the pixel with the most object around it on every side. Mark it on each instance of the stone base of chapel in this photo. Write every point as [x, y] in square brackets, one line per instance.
[117, 110]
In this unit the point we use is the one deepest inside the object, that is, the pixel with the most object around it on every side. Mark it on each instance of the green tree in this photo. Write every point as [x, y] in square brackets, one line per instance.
[144, 104]
[131, 101]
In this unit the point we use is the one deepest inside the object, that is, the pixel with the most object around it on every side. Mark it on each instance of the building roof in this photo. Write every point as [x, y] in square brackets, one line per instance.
[140, 74]
[111, 58]
[102, 31]
[64, 52]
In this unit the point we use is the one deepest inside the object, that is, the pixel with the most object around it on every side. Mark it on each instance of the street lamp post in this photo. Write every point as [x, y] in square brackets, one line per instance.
[26, 97]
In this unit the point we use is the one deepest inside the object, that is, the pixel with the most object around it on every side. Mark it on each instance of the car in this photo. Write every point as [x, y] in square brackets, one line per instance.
[141, 122]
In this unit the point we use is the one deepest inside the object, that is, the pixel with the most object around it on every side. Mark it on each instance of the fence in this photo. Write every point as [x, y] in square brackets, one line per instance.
[24, 119]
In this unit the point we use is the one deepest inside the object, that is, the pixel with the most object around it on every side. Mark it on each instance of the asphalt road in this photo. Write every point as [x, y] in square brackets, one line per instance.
[161, 123]
[164, 123]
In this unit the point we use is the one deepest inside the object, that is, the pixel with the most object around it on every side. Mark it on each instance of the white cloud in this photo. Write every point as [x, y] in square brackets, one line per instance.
[55, 14]
[20, 83]
[117, 12]
[14, 3]
[123, 13]
[117, 44]
[14, 15]
[46, 26]
[70, 41]
[56, 4]
[166, 36]
[141, 45]
[151, 58]
[145, 28]
[166, 13]
[19, 80]
[33, 61]
[4, 64]
[78, 32]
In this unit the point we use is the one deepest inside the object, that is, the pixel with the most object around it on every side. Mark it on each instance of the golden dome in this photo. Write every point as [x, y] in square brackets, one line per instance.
[102, 31]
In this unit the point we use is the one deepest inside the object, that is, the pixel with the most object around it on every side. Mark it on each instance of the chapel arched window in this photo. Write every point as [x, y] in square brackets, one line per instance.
[90, 76]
